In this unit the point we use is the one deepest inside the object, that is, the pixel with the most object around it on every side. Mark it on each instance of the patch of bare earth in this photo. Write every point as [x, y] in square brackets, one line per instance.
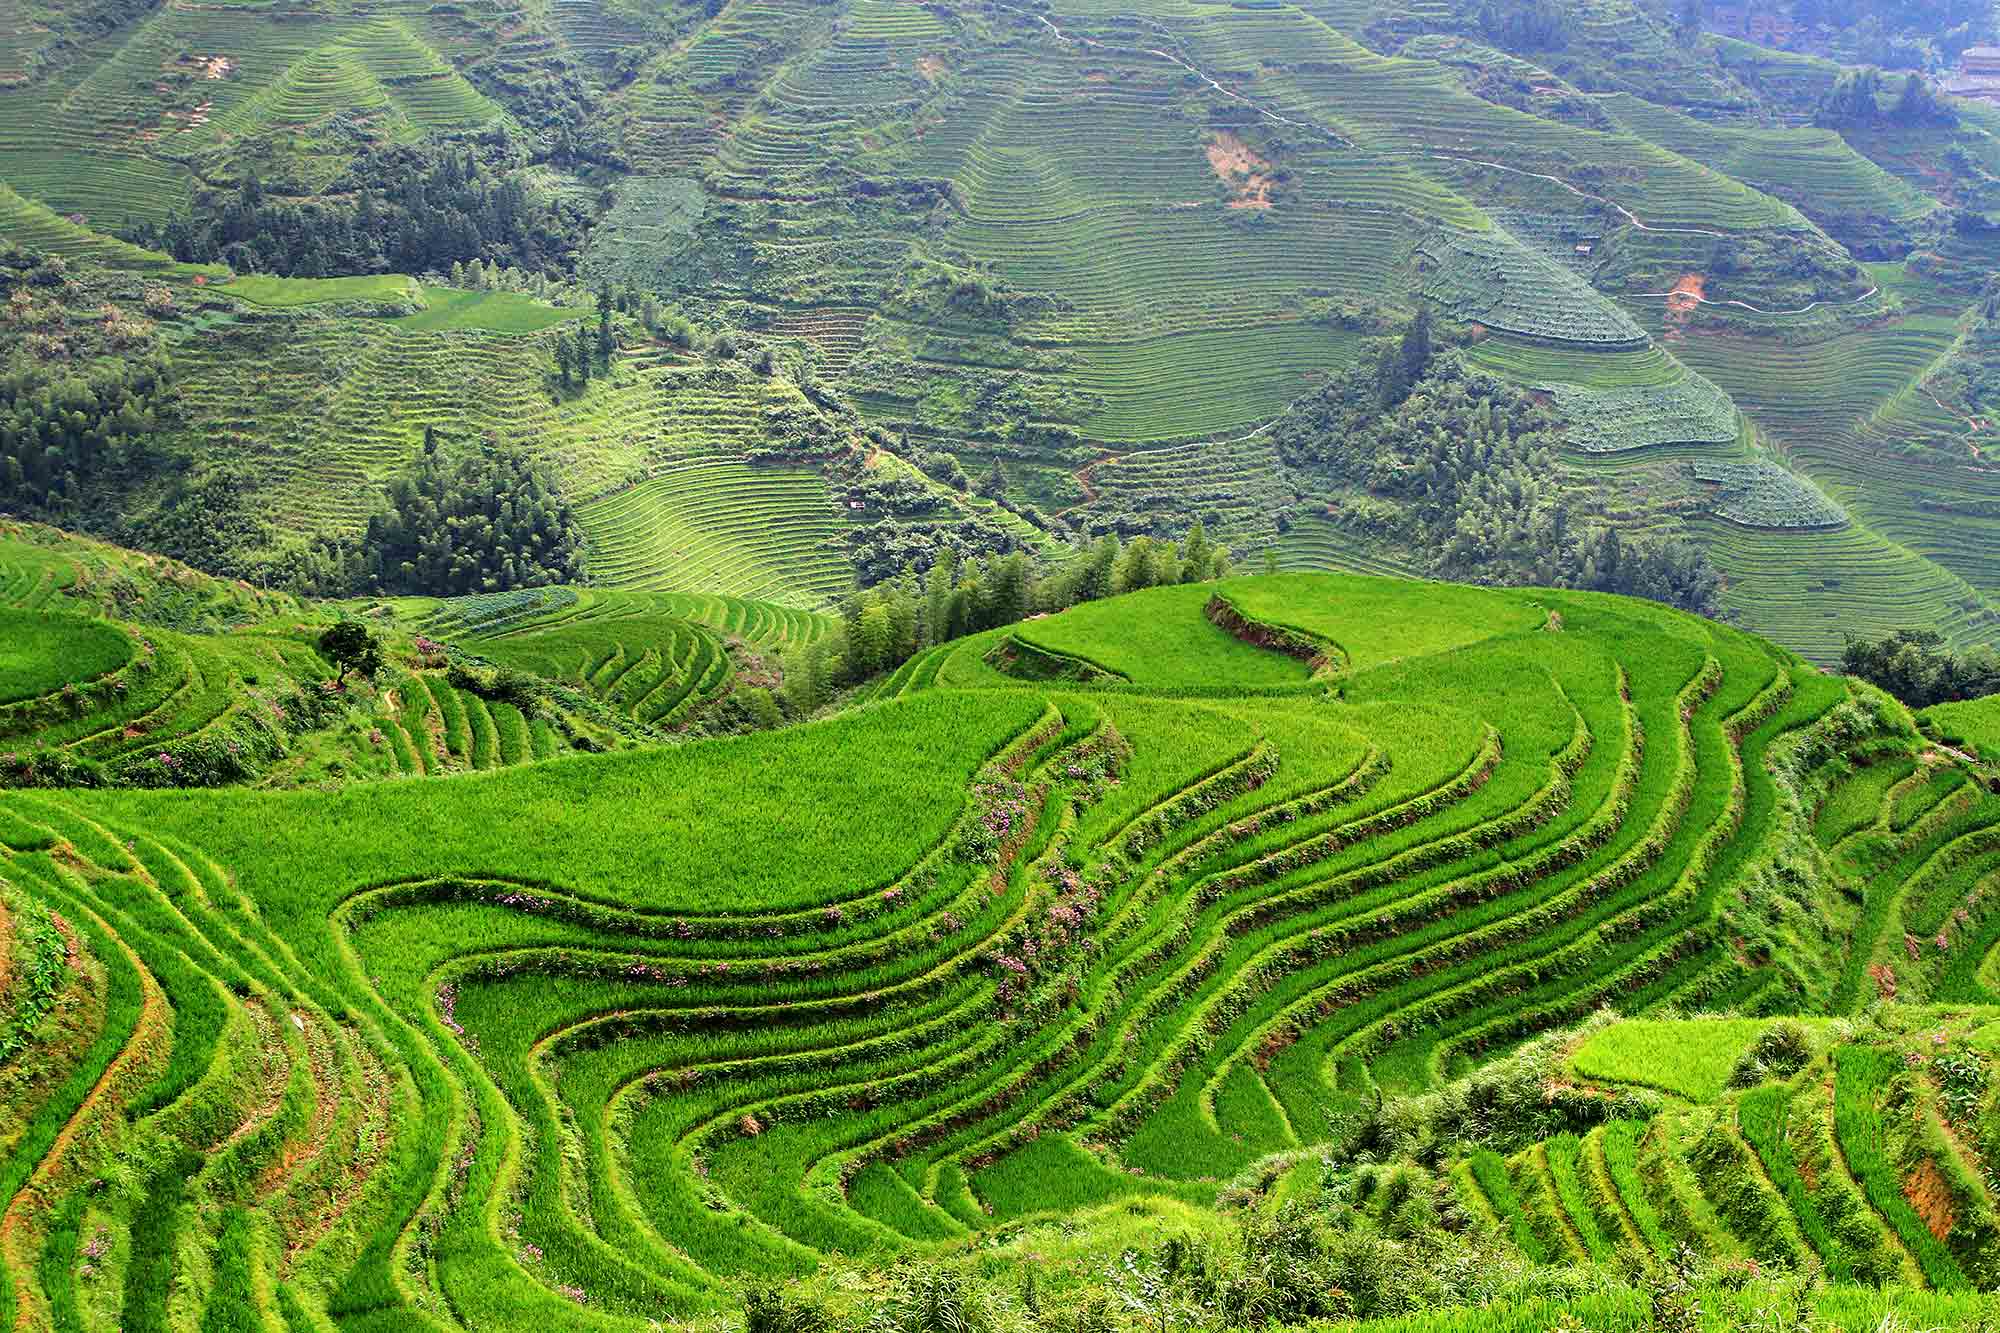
[91, 1129]
[931, 67]
[321, 1190]
[1682, 303]
[1928, 1193]
[6, 950]
[304, 1148]
[1237, 166]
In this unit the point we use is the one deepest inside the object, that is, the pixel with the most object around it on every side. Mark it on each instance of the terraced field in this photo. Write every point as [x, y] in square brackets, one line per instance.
[1974, 725]
[967, 977]
[718, 525]
[986, 952]
[1847, 410]
[1812, 168]
[147, 96]
[124, 670]
[1035, 234]
[204, 678]
[32, 224]
[321, 412]
[1807, 1170]
[1232, 486]
[1171, 297]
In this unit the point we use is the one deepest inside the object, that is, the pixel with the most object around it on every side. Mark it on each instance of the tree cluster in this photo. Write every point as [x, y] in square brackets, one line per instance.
[1462, 467]
[81, 393]
[888, 624]
[1537, 25]
[582, 352]
[1897, 32]
[1402, 364]
[396, 210]
[940, 465]
[475, 523]
[1921, 669]
[1855, 102]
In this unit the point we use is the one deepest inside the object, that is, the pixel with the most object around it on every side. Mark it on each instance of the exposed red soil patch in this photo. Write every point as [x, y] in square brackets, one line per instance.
[1683, 301]
[76, 1143]
[1930, 1195]
[6, 948]
[314, 1208]
[1247, 175]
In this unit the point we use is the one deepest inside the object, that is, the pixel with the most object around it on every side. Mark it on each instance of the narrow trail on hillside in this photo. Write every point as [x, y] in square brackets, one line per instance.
[1082, 478]
[1638, 223]
[1175, 58]
[1759, 310]
[1976, 423]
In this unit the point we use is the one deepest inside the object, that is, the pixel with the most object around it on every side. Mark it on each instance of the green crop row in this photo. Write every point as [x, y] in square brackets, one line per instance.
[599, 1040]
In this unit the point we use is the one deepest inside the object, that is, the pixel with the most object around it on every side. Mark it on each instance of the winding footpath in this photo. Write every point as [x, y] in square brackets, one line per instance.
[1703, 300]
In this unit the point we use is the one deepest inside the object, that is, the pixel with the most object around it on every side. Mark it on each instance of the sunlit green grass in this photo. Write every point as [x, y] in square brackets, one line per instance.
[1691, 1058]
[42, 651]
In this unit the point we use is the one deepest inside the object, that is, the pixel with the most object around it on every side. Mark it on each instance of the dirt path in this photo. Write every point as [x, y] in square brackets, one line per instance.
[1176, 59]
[6, 949]
[1345, 142]
[1082, 478]
[1759, 310]
[1637, 222]
[1976, 423]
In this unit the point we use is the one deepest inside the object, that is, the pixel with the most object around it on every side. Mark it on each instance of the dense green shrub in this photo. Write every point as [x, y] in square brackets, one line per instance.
[81, 392]
[397, 209]
[477, 523]
[1779, 1052]
[1921, 669]
[1467, 462]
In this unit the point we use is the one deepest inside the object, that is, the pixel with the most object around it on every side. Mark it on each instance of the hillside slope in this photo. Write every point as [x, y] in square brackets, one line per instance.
[1096, 247]
[989, 947]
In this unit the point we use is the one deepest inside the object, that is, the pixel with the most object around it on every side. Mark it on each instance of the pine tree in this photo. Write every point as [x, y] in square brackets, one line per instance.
[1010, 589]
[937, 597]
[1195, 554]
[1135, 567]
[1416, 348]
[994, 484]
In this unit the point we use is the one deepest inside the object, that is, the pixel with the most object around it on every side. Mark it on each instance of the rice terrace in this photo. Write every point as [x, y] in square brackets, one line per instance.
[958, 666]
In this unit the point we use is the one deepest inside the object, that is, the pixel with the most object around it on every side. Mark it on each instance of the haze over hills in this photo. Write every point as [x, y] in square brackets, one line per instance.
[1103, 248]
[875, 667]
